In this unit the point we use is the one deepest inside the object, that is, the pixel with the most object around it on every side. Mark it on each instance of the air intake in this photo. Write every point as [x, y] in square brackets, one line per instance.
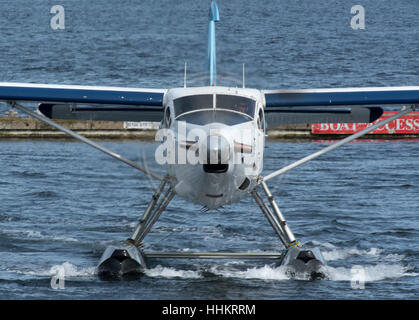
[215, 168]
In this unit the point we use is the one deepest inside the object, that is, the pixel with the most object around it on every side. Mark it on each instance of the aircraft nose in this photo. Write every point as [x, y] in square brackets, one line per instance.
[218, 149]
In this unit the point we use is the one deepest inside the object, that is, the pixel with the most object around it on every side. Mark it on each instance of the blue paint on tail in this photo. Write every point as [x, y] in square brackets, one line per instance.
[211, 57]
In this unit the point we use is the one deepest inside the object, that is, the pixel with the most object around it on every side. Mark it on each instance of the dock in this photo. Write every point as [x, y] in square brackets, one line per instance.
[12, 126]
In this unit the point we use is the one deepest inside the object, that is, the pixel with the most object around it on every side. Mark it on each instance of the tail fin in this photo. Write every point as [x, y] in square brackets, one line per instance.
[211, 58]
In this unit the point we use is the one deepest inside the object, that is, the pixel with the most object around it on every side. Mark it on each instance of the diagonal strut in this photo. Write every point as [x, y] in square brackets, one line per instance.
[83, 139]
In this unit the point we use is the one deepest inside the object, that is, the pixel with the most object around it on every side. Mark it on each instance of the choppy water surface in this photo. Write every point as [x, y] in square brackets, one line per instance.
[62, 203]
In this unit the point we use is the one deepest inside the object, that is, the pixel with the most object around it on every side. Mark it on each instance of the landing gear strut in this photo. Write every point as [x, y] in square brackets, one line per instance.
[297, 259]
[128, 259]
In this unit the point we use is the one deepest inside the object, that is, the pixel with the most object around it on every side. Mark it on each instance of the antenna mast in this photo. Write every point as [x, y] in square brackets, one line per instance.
[184, 77]
[244, 78]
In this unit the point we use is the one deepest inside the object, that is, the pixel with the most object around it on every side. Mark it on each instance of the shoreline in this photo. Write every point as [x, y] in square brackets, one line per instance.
[29, 128]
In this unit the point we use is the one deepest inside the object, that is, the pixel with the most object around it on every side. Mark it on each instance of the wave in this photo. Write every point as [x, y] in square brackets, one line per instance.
[263, 273]
[389, 266]
[66, 269]
[29, 174]
[371, 273]
[165, 272]
[37, 235]
[340, 254]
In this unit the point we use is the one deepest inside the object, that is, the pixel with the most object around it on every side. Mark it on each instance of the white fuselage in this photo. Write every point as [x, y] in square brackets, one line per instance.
[214, 142]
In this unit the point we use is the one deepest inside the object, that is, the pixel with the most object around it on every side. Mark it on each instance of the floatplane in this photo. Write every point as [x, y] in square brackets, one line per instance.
[212, 146]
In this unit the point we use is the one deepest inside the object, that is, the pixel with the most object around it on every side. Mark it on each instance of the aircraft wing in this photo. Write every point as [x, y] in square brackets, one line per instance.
[88, 102]
[348, 105]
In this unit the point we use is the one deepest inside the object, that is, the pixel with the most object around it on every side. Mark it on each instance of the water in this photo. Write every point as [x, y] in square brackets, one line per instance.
[62, 203]
[60, 209]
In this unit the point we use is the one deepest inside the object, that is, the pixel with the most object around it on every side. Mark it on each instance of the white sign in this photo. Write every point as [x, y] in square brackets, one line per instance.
[144, 125]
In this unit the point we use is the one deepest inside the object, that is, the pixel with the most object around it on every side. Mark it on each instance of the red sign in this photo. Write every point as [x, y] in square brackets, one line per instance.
[408, 124]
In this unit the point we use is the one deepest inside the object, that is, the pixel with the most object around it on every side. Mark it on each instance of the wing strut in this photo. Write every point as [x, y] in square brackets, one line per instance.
[83, 139]
[333, 146]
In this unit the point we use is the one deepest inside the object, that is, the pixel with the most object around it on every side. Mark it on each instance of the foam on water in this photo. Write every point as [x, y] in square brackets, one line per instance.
[263, 273]
[371, 273]
[66, 269]
[389, 266]
[340, 254]
[384, 266]
[37, 235]
[166, 272]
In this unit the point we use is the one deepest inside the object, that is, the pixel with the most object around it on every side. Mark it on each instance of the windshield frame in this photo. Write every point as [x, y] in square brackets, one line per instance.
[249, 103]
[207, 116]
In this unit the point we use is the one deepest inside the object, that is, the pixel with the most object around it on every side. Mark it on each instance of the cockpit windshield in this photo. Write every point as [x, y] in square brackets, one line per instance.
[192, 103]
[235, 104]
[205, 117]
